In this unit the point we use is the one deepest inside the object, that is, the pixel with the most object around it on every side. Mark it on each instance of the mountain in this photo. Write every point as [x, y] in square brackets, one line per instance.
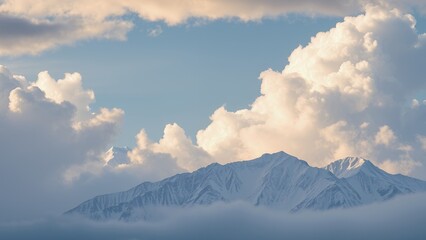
[116, 156]
[274, 180]
[372, 183]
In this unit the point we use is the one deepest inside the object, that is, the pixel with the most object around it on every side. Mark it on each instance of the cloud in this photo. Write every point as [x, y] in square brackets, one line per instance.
[46, 126]
[68, 89]
[174, 153]
[404, 166]
[385, 136]
[346, 93]
[422, 140]
[173, 13]
[401, 218]
[155, 32]
[30, 27]
[53, 146]
[24, 34]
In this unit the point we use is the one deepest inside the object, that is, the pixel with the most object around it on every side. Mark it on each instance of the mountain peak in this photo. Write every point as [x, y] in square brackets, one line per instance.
[116, 156]
[118, 149]
[347, 167]
[281, 155]
[279, 158]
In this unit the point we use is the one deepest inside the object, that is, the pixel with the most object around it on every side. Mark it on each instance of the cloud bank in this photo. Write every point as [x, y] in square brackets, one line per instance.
[30, 27]
[53, 146]
[46, 126]
[401, 218]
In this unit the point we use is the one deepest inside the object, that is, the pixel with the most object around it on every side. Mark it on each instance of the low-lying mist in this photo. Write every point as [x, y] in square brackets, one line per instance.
[400, 218]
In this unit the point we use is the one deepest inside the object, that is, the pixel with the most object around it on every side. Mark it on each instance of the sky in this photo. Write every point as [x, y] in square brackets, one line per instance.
[184, 85]
[163, 79]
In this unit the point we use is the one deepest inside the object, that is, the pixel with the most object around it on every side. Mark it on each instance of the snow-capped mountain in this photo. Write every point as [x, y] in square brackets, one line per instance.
[116, 156]
[370, 182]
[274, 180]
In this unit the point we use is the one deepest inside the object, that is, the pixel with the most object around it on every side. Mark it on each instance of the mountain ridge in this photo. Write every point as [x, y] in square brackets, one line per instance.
[276, 180]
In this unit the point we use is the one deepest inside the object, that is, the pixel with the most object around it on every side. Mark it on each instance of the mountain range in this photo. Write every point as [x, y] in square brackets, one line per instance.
[276, 180]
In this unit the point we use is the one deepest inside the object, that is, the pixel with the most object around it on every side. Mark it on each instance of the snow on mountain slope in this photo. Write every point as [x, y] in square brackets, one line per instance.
[347, 167]
[372, 183]
[274, 180]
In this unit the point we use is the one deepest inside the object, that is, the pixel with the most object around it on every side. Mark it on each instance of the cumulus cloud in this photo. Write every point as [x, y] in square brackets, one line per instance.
[174, 153]
[68, 89]
[385, 136]
[46, 126]
[30, 27]
[401, 218]
[364, 72]
[348, 92]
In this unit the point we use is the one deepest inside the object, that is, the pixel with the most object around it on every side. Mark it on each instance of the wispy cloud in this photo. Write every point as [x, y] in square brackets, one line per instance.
[30, 27]
[32, 35]
[155, 32]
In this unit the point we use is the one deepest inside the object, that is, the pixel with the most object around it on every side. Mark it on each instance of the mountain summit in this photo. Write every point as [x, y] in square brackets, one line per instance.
[274, 180]
[347, 167]
[371, 182]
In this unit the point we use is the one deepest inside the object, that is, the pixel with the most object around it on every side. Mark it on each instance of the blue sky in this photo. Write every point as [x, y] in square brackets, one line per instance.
[180, 76]
[171, 77]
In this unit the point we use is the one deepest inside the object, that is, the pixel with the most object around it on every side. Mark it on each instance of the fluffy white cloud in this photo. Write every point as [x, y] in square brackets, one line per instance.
[68, 89]
[173, 143]
[173, 153]
[385, 136]
[356, 72]
[348, 92]
[42, 135]
[30, 27]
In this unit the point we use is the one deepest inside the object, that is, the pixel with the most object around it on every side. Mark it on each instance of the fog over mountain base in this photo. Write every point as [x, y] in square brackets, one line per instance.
[400, 218]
